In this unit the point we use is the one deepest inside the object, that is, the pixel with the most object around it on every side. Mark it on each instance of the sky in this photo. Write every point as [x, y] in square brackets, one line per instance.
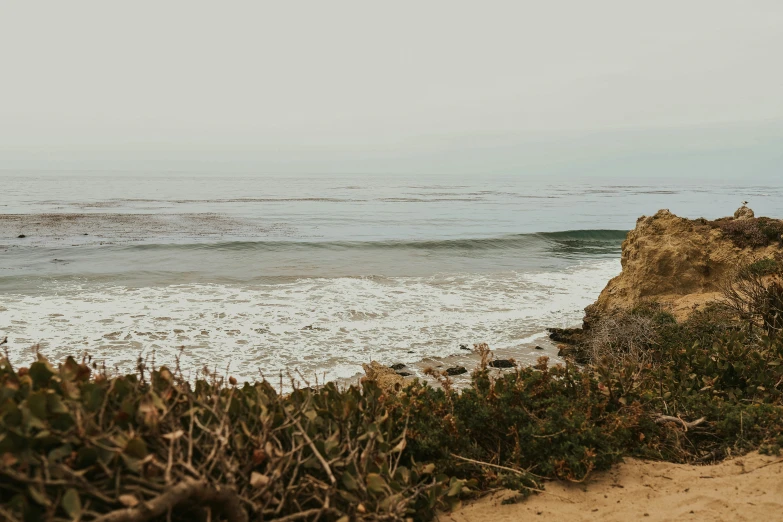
[403, 86]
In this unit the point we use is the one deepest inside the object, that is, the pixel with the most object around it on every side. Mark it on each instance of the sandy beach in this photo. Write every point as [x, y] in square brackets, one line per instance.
[743, 488]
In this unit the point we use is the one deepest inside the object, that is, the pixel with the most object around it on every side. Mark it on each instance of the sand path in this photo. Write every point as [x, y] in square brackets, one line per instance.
[744, 488]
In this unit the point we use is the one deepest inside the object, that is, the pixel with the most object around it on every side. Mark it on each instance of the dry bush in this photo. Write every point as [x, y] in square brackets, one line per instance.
[755, 294]
[753, 232]
[623, 337]
[484, 353]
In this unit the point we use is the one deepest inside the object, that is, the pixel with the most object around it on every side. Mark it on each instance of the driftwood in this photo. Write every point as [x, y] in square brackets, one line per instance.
[663, 419]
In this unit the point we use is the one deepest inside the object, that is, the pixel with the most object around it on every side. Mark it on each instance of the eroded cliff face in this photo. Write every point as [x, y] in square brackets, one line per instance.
[678, 262]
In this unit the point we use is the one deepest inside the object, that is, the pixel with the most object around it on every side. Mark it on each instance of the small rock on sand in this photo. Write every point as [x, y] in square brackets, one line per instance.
[501, 363]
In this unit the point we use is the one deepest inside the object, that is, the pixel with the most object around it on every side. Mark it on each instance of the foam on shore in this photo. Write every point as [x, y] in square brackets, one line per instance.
[324, 325]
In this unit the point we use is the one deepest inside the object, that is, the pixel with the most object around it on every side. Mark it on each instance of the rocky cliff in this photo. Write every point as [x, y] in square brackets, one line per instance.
[681, 262]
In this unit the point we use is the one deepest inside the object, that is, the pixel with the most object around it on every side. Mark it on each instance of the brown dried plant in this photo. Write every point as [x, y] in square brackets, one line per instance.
[755, 295]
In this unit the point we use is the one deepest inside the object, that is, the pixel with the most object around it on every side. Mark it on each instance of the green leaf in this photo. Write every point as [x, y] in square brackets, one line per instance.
[131, 463]
[69, 369]
[70, 389]
[6, 443]
[62, 422]
[92, 396]
[455, 488]
[60, 452]
[348, 496]
[38, 496]
[55, 403]
[403, 474]
[5, 366]
[349, 482]
[86, 457]
[18, 503]
[72, 504]
[40, 372]
[10, 415]
[36, 402]
[157, 401]
[375, 483]
[136, 448]
[239, 441]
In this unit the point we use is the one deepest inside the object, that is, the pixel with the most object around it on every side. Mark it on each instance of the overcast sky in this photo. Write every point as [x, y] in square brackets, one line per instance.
[384, 86]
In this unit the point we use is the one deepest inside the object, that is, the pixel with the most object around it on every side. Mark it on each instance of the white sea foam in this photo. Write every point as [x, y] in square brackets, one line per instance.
[328, 326]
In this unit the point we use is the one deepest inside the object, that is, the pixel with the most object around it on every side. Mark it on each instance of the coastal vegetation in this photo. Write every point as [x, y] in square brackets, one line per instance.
[750, 232]
[79, 443]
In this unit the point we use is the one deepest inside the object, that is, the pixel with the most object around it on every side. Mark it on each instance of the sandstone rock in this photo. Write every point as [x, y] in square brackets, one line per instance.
[564, 350]
[386, 378]
[744, 213]
[675, 261]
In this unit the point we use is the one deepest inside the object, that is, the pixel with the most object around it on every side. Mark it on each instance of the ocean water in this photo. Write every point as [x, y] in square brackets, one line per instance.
[260, 274]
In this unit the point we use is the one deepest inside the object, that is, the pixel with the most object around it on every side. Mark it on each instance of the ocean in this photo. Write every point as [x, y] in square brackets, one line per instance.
[314, 275]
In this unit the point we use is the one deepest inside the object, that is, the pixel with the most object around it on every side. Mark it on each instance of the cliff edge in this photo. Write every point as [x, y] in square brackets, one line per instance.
[681, 262]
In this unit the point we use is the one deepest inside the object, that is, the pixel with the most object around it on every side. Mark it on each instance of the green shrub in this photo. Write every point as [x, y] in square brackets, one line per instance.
[764, 267]
[555, 420]
[76, 446]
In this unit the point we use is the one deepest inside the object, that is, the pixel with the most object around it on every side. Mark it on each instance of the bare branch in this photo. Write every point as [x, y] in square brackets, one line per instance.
[194, 491]
[663, 419]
